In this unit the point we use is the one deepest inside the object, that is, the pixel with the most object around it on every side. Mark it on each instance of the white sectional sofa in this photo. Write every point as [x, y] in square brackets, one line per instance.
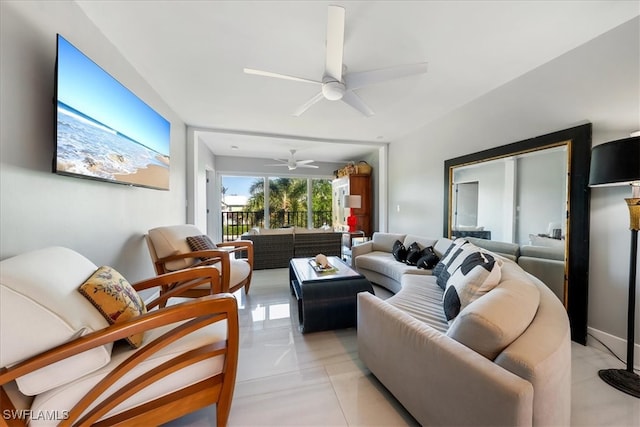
[374, 259]
[505, 359]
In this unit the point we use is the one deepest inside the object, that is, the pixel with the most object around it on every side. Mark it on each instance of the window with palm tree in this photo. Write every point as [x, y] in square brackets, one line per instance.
[288, 205]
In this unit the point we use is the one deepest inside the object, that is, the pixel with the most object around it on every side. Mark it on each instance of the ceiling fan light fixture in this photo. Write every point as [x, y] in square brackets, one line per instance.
[337, 84]
[333, 91]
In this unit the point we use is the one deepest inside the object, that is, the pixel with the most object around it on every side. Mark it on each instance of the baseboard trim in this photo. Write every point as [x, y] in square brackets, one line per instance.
[616, 344]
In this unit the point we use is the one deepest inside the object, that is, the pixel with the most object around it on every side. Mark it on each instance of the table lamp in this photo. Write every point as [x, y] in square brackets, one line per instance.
[352, 202]
[618, 163]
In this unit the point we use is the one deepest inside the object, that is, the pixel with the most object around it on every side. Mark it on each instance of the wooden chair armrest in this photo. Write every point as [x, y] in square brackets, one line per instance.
[195, 254]
[237, 243]
[176, 282]
[240, 246]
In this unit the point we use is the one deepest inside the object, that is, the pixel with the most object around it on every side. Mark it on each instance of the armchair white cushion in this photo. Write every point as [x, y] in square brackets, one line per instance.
[40, 308]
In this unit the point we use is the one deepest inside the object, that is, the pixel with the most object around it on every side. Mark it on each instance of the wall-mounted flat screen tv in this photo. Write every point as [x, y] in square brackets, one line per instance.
[103, 130]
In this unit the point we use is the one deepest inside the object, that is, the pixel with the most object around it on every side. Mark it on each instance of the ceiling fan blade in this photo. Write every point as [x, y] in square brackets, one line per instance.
[279, 76]
[277, 164]
[366, 78]
[304, 107]
[335, 42]
[304, 162]
[307, 166]
[354, 100]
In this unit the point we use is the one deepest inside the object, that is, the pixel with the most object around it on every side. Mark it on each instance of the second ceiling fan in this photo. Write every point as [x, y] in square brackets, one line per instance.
[292, 163]
[336, 83]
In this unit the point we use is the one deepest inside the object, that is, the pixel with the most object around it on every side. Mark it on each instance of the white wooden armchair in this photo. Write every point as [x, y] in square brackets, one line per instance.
[170, 251]
[61, 363]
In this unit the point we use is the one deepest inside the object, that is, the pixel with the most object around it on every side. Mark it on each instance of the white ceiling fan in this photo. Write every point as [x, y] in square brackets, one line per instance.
[336, 83]
[292, 163]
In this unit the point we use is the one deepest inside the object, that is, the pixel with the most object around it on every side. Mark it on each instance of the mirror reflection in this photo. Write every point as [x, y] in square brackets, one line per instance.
[518, 199]
[522, 199]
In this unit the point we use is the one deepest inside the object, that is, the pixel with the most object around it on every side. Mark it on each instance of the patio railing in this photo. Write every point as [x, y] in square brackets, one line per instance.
[234, 224]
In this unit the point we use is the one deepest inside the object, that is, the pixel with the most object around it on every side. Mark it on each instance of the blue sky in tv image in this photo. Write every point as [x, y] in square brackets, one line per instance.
[87, 88]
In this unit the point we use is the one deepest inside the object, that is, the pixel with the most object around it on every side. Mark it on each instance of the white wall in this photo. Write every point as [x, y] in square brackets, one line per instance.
[598, 82]
[493, 212]
[103, 221]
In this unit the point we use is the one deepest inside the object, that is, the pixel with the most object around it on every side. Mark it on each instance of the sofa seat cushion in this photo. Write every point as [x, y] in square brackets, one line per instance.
[66, 396]
[492, 322]
[384, 263]
[240, 270]
[41, 287]
[421, 297]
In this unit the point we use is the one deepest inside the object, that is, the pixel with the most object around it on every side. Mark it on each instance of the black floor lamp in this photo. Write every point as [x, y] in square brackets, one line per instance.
[618, 163]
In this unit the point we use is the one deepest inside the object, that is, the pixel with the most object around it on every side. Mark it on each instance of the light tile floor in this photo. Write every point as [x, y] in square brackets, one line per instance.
[289, 379]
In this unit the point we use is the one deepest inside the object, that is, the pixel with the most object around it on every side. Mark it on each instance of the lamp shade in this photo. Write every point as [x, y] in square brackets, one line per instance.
[353, 201]
[616, 162]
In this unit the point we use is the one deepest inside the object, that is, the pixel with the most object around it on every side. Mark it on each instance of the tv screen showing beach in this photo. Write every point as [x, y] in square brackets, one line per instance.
[103, 130]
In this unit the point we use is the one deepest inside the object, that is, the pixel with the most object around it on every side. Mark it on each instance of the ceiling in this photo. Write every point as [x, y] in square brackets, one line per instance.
[193, 54]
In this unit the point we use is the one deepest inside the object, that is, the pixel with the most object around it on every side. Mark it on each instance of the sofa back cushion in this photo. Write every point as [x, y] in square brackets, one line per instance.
[544, 252]
[40, 308]
[172, 240]
[492, 322]
[442, 245]
[506, 249]
[304, 230]
[423, 242]
[271, 231]
[384, 241]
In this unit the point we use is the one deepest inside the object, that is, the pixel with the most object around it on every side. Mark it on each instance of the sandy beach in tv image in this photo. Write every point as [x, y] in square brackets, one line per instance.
[89, 148]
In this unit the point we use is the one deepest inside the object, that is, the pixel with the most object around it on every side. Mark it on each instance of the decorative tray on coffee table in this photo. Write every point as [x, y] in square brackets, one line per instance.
[320, 269]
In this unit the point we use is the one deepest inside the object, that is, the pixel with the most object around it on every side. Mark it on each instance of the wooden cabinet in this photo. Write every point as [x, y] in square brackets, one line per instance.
[352, 185]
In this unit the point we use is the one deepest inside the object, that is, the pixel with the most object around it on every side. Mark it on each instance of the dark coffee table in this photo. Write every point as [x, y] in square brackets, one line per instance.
[326, 300]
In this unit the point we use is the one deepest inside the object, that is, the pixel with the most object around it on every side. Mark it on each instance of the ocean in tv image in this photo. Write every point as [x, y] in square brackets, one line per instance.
[103, 130]
[87, 147]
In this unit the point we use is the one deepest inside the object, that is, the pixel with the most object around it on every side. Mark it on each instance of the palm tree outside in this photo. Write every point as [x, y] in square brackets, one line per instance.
[287, 204]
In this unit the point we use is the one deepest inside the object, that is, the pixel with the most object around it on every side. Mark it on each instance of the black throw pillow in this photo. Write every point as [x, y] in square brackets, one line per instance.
[399, 251]
[428, 258]
[413, 253]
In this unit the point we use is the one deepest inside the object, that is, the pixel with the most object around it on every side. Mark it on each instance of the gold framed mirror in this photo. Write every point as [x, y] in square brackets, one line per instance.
[533, 193]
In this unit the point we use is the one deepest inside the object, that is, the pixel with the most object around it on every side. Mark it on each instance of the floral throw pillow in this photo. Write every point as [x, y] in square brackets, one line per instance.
[114, 298]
